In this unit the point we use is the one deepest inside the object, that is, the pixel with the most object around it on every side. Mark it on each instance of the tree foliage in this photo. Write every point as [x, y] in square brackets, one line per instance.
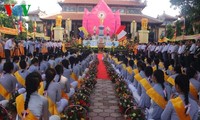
[2, 2]
[170, 32]
[38, 29]
[7, 21]
[10, 1]
[21, 36]
[30, 26]
[179, 31]
[10, 21]
[189, 8]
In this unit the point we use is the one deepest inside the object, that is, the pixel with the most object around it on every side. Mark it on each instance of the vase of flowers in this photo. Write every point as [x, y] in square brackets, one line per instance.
[11, 106]
[4, 114]
[75, 112]
[85, 90]
[125, 102]
[80, 99]
[134, 113]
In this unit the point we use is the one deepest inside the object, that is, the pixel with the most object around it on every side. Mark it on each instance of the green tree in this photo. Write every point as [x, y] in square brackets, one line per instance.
[189, 27]
[7, 21]
[2, 2]
[169, 32]
[189, 8]
[38, 29]
[178, 28]
[21, 36]
[10, 1]
[30, 26]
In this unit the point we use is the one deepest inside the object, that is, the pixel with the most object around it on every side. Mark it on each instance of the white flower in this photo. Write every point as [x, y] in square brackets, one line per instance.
[125, 116]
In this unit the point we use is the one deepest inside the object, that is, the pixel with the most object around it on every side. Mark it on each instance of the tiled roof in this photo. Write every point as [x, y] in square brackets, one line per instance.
[35, 12]
[167, 17]
[109, 2]
[124, 17]
[138, 18]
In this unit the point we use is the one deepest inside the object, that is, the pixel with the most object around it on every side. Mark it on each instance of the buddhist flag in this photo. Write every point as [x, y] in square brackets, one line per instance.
[175, 34]
[125, 42]
[81, 34]
[35, 26]
[45, 30]
[84, 30]
[122, 27]
[122, 35]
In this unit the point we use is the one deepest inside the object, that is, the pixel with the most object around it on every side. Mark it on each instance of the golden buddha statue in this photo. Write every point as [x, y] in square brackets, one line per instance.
[144, 22]
[101, 16]
[58, 21]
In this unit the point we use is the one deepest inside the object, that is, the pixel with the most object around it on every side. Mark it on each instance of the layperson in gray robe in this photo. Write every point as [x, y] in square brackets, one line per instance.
[7, 80]
[145, 101]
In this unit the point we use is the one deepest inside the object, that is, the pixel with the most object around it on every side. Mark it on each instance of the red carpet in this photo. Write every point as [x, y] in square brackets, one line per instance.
[102, 73]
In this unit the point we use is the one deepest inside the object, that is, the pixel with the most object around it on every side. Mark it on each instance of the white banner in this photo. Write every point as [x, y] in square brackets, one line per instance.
[110, 43]
[94, 43]
[91, 43]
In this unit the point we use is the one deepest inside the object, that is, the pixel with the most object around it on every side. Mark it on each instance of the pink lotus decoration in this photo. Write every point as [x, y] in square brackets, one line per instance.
[111, 21]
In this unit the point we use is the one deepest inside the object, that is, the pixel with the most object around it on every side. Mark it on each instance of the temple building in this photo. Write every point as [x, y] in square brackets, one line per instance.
[166, 20]
[35, 16]
[130, 10]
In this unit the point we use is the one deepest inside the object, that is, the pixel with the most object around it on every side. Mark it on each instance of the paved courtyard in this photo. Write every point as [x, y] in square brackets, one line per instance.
[104, 103]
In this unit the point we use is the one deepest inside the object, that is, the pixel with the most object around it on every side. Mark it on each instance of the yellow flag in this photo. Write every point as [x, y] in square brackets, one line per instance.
[84, 31]
[79, 41]
[35, 26]
[125, 42]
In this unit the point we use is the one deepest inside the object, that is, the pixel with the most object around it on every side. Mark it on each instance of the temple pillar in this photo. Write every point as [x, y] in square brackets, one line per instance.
[68, 24]
[133, 29]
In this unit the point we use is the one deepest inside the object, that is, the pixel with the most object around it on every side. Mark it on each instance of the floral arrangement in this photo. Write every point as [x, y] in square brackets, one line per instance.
[90, 83]
[80, 102]
[85, 91]
[80, 99]
[113, 75]
[125, 97]
[126, 100]
[75, 113]
[121, 88]
[134, 113]
[90, 79]
[4, 115]
[11, 106]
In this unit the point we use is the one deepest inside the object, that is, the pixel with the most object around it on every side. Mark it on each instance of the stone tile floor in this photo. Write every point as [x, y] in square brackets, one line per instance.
[104, 103]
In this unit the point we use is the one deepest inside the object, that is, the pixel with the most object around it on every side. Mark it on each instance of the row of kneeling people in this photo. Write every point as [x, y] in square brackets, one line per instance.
[165, 94]
[43, 93]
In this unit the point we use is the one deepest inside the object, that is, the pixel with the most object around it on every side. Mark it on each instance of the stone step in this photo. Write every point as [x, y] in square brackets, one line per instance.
[104, 103]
